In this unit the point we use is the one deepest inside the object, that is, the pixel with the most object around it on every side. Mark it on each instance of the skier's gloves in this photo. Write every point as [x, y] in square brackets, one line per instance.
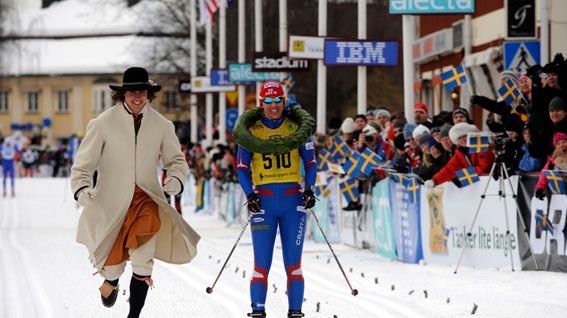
[171, 186]
[253, 203]
[309, 198]
[86, 197]
[540, 194]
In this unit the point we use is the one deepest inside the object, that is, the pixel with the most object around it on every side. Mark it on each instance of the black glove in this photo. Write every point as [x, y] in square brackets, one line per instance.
[540, 194]
[253, 203]
[475, 100]
[533, 72]
[309, 198]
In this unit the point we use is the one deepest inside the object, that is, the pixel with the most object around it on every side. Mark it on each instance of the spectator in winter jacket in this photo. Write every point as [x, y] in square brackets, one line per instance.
[461, 115]
[445, 140]
[421, 114]
[557, 161]
[462, 158]
[528, 163]
[513, 152]
[359, 122]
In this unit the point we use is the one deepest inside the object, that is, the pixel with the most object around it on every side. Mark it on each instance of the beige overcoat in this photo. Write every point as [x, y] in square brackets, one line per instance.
[110, 147]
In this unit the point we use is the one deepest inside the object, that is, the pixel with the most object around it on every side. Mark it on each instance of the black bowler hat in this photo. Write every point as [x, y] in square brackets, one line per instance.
[136, 79]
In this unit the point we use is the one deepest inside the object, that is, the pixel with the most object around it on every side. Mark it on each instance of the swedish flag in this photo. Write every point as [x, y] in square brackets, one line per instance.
[323, 160]
[555, 181]
[541, 220]
[467, 176]
[342, 148]
[509, 92]
[349, 190]
[478, 143]
[322, 190]
[353, 165]
[386, 165]
[398, 178]
[412, 186]
[369, 161]
[454, 77]
[288, 82]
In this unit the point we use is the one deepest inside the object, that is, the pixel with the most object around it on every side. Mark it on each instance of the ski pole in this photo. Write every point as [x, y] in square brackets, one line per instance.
[210, 289]
[353, 291]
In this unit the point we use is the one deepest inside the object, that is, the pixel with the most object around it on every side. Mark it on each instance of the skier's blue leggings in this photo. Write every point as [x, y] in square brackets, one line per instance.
[7, 169]
[282, 205]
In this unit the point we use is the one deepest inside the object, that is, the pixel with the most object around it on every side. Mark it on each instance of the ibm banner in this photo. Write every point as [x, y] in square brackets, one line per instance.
[342, 52]
[447, 213]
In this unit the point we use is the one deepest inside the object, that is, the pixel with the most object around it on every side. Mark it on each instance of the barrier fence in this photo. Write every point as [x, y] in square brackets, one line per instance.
[428, 225]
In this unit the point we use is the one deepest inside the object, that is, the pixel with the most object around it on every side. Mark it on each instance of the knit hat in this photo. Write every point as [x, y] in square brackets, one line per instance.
[408, 130]
[445, 130]
[348, 126]
[461, 111]
[459, 130]
[421, 106]
[435, 129]
[383, 112]
[557, 137]
[557, 103]
[400, 142]
[426, 139]
[420, 130]
[514, 123]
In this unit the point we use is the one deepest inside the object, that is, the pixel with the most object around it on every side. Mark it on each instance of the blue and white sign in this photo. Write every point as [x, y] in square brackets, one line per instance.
[243, 73]
[219, 77]
[340, 52]
[431, 6]
[231, 117]
[406, 224]
[520, 55]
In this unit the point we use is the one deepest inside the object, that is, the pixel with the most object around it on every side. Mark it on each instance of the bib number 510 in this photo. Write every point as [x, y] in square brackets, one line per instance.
[280, 161]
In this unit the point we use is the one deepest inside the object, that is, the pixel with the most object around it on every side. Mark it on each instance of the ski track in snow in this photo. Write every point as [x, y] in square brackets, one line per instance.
[45, 273]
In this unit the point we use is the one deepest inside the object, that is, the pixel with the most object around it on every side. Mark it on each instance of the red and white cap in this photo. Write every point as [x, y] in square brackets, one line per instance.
[271, 89]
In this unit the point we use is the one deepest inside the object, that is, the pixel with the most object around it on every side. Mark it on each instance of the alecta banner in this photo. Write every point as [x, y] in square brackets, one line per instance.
[382, 220]
[431, 6]
[306, 47]
[405, 221]
[341, 52]
[243, 73]
[447, 213]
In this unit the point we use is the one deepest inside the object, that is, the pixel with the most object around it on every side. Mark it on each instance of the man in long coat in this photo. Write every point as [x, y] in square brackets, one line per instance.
[126, 216]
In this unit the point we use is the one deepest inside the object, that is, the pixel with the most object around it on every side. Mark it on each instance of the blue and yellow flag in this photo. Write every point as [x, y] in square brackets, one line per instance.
[509, 92]
[288, 82]
[446, 233]
[555, 181]
[412, 186]
[323, 160]
[322, 190]
[478, 143]
[398, 178]
[467, 176]
[349, 190]
[353, 165]
[454, 77]
[369, 161]
[386, 165]
[339, 149]
[541, 220]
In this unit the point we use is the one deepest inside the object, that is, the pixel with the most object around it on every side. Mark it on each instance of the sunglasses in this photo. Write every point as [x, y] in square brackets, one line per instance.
[269, 100]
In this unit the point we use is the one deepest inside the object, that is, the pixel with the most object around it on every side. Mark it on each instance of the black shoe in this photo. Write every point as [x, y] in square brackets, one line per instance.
[295, 314]
[110, 291]
[257, 314]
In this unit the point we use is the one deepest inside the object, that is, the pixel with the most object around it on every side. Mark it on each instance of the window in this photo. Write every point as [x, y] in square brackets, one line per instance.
[170, 101]
[3, 101]
[102, 99]
[62, 101]
[32, 102]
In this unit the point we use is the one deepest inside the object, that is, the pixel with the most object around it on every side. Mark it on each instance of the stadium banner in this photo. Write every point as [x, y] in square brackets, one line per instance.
[277, 62]
[447, 213]
[549, 243]
[382, 228]
[406, 223]
[306, 47]
[360, 52]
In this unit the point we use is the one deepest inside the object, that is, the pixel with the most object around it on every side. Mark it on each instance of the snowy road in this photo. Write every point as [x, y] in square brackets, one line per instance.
[44, 273]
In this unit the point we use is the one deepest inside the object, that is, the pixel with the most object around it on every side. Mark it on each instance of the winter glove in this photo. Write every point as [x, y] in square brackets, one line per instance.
[171, 186]
[253, 203]
[429, 184]
[86, 197]
[309, 198]
[475, 100]
[540, 194]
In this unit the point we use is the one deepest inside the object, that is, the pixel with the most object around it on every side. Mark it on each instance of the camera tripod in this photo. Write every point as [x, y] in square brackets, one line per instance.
[500, 167]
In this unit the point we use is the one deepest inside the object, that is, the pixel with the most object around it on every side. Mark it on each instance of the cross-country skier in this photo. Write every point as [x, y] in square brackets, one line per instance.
[275, 199]
[8, 150]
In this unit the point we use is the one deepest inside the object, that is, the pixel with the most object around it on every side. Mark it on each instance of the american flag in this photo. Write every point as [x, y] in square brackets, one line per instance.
[207, 9]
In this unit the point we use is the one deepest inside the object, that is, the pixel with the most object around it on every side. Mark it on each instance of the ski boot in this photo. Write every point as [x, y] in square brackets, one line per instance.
[257, 314]
[109, 293]
[295, 314]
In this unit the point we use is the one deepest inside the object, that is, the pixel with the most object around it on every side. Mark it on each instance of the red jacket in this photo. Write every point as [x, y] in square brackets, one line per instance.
[482, 162]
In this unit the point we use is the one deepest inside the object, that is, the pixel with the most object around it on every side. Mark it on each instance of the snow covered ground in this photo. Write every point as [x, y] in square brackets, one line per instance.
[45, 273]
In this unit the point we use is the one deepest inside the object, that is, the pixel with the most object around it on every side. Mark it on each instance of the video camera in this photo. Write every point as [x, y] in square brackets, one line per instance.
[500, 144]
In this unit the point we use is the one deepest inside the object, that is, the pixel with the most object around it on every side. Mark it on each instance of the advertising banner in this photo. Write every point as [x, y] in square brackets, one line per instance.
[243, 73]
[202, 84]
[382, 220]
[306, 47]
[447, 213]
[277, 62]
[219, 77]
[521, 18]
[369, 53]
[431, 6]
[406, 224]
[333, 211]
